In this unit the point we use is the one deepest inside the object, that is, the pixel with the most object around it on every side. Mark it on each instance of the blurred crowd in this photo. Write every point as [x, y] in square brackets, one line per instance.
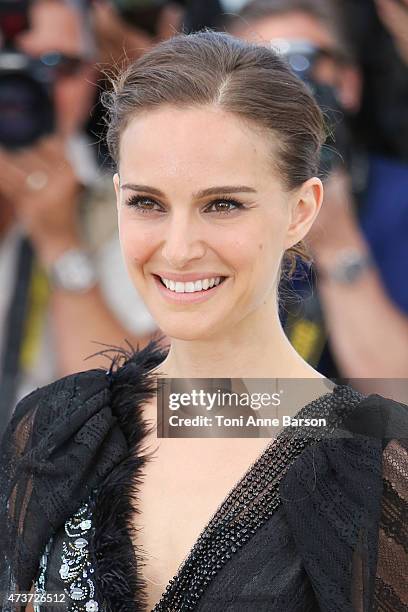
[65, 296]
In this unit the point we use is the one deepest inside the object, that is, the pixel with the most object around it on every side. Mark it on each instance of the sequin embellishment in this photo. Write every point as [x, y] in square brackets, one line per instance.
[39, 584]
[76, 569]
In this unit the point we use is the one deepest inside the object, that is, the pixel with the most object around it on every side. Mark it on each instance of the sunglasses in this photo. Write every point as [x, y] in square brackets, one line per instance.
[61, 64]
[300, 48]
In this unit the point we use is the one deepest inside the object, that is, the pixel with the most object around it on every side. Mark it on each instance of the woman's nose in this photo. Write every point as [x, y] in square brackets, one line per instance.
[183, 243]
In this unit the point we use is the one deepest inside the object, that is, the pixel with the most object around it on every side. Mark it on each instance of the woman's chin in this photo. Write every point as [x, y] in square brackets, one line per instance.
[184, 330]
[187, 334]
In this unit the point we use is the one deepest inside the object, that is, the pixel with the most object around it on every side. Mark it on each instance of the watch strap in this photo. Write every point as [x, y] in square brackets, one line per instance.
[347, 268]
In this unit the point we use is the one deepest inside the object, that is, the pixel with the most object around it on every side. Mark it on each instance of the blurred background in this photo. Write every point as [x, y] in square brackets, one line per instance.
[64, 293]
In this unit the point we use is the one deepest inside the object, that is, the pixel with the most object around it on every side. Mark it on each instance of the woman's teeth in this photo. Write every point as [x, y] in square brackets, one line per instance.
[191, 287]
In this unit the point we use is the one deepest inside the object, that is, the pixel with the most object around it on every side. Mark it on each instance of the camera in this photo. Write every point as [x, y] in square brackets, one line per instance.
[302, 58]
[26, 106]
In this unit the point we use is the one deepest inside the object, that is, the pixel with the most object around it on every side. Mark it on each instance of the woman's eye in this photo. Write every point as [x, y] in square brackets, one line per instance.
[224, 206]
[143, 204]
[146, 205]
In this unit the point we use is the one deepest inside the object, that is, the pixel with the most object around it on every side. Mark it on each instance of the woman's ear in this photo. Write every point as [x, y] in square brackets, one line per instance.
[116, 184]
[304, 208]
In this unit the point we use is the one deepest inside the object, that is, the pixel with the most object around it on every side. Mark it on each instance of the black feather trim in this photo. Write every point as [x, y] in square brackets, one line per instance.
[116, 560]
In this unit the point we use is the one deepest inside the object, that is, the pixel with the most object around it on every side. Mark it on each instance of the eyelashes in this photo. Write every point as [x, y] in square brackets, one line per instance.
[138, 203]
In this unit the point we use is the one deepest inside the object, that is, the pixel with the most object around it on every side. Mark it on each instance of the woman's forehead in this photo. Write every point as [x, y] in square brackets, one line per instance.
[178, 141]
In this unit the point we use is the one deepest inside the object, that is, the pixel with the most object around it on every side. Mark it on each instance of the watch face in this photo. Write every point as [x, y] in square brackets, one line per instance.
[350, 266]
[74, 271]
[352, 271]
[78, 275]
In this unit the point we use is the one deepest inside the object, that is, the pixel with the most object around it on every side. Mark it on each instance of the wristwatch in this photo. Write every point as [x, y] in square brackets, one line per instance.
[73, 271]
[348, 267]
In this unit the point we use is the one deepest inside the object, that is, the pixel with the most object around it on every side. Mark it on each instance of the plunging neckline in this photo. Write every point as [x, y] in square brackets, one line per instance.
[178, 584]
[109, 407]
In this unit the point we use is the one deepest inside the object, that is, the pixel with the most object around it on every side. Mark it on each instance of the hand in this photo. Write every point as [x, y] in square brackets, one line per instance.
[170, 21]
[394, 15]
[336, 226]
[116, 40]
[42, 188]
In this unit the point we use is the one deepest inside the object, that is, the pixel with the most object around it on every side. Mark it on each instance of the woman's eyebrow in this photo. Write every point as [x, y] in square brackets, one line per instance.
[199, 194]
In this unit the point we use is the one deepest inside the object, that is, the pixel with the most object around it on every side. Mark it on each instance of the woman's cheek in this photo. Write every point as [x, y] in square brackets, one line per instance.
[137, 244]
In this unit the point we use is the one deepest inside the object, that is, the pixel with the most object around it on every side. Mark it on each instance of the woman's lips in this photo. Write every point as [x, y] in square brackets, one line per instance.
[186, 298]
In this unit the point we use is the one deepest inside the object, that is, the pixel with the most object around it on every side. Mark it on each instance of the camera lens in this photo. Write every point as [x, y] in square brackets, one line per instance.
[26, 111]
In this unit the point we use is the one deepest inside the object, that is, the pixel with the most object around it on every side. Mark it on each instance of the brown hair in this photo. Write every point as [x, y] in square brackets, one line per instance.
[248, 80]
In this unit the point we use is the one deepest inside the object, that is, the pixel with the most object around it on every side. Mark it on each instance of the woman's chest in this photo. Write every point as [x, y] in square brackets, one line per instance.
[184, 483]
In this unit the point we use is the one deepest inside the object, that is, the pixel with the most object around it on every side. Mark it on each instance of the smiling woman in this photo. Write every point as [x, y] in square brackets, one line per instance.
[217, 147]
[200, 229]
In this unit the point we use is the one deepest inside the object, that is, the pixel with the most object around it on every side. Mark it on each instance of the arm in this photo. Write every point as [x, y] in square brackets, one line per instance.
[80, 320]
[392, 565]
[49, 214]
[61, 443]
[368, 333]
[394, 15]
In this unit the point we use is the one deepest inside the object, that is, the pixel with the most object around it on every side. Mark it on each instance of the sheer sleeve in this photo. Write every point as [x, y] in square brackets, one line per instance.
[77, 436]
[346, 500]
[391, 581]
[61, 442]
[385, 587]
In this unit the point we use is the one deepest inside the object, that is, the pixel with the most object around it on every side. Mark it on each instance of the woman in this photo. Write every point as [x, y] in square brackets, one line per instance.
[217, 146]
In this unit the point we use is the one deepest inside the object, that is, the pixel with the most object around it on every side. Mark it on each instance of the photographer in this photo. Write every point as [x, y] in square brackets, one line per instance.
[359, 241]
[55, 299]
[125, 29]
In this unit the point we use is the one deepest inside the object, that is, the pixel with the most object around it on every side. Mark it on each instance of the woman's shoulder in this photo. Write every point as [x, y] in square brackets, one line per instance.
[87, 391]
[356, 448]
[62, 443]
[85, 415]
[346, 501]
[379, 417]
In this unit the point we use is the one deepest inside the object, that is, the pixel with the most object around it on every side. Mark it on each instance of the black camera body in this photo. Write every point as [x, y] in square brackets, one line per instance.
[301, 57]
[26, 105]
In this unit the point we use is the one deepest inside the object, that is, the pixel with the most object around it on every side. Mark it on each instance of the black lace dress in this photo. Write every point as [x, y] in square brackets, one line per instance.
[318, 523]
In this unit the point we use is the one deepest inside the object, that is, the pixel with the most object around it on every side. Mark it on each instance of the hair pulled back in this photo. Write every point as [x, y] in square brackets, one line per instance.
[248, 80]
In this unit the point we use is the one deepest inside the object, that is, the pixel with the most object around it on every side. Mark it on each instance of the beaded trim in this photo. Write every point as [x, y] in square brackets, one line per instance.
[76, 570]
[251, 502]
[39, 584]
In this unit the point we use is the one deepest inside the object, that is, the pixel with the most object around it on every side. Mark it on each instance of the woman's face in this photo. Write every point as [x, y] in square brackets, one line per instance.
[198, 199]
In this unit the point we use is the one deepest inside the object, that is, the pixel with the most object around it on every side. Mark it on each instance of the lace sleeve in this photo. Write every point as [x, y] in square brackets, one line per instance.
[13, 498]
[386, 588]
[391, 581]
[60, 444]
[347, 502]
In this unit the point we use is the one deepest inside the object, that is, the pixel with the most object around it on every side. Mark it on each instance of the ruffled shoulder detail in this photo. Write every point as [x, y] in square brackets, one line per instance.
[114, 554]
[62, 444]
[346, 499]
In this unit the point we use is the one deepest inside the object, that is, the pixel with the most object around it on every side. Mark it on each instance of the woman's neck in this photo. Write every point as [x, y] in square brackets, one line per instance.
[256, 348]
